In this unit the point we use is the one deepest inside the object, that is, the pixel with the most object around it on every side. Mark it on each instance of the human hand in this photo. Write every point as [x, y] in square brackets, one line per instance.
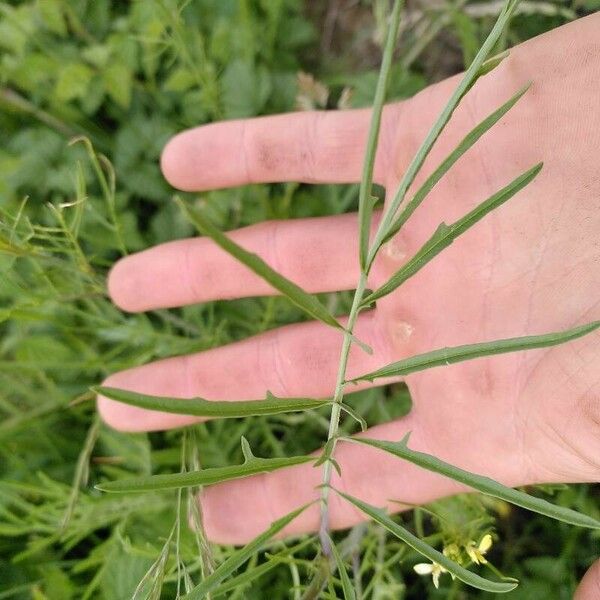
[529, 267]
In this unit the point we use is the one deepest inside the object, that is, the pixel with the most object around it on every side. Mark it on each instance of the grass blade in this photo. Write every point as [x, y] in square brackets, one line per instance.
[199, 407]
[448, 356]
[243, 580]
[251, 466]
[365, 206]
[466, 143]
[427, 551]
[446, 234]
[347, 586]
[241, 556]
[150, 586]
[293, 292]
[476, 70]
[491, 63]
[253, 573]
[82, 471]
[482, 484]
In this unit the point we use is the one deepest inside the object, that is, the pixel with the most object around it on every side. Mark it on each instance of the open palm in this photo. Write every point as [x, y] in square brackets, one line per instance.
[530, 267]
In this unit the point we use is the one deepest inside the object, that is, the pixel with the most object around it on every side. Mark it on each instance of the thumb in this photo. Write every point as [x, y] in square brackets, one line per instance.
[589, 588]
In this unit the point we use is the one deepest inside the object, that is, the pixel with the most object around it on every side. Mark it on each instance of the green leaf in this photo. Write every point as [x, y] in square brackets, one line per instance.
[354, 414]
[448, 356]
[248, 577]
[199, 407]
[51, 12]
[251, 466]
[293, 292]
[219, 409]
[118, 82]
[480, 483]
[246, 450]
[245, 89]
[491, 63]
[466, 143]
[427, 551]
[239, 557]
[365, 205]
[72, 82]
[123, 570]
[150, 586]
[347, 587]
[254, 572]
[473, 73]
[446, 234]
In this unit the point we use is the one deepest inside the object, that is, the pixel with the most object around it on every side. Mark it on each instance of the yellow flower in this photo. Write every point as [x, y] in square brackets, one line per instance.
[476, 553]
[432, 569]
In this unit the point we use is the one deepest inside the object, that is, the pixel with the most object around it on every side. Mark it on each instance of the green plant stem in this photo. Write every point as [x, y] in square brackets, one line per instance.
[366, 182]
[18, 102]
[107, 187]
[334, 421]
[470, 76]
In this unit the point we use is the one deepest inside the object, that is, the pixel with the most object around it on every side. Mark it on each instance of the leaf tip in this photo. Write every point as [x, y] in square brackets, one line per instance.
[405, 438]
[246, 450]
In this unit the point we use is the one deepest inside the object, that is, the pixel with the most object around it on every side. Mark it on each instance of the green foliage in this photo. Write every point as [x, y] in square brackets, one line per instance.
[467, 142]
[251, 466]
[428, 552]
[212, 408]
[239, 557]
[445, 235]
[448, 356]
[124, 77]
[482, 484]
[303, 300]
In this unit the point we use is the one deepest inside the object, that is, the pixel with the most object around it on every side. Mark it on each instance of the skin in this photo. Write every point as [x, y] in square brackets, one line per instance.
[530, 267]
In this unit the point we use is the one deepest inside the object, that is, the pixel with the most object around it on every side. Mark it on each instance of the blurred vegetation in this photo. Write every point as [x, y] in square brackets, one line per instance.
[126, 76]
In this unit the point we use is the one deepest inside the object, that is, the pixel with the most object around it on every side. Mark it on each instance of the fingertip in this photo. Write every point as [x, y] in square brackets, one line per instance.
[589, 588]
[122, 287]
[178, 162]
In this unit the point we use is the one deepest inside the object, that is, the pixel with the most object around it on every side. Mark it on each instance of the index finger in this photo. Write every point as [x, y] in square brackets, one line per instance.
[311, 147]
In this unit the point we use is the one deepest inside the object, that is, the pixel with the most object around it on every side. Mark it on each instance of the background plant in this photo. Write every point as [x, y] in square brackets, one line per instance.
[60, 79]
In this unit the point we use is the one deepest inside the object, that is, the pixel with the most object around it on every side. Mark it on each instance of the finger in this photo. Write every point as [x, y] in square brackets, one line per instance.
[589, 588]
[298, 360]
[319, 254]
[367, 473]
[313, 147]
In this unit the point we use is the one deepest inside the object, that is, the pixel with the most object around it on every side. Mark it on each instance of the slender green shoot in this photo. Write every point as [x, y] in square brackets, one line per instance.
[215, 409]
[347, 587]
[483, 484]
[473, 73]
[366, 183]
[446, 234]
[448, 356]
[423, 548]
[466, 143]
[221, 409]
[303, 300]
[239, 557]
[173, 481]
[107, 186]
